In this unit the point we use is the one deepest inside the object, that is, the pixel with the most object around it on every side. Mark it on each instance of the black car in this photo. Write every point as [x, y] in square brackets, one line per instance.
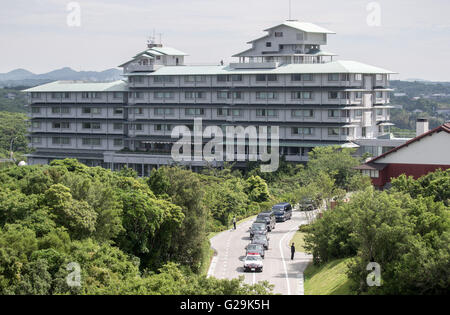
[269, 218]
[282, 211]
[262, 240]
[254, 249]
[258, 228]
[307, 204]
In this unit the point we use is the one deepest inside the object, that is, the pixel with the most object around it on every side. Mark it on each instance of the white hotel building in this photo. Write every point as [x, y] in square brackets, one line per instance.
[285, 79]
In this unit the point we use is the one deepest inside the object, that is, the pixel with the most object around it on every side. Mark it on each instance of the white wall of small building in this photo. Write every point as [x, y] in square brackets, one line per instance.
[433, 149]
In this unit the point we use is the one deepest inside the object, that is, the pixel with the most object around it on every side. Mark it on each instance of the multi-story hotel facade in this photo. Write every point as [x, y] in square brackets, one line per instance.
[285, 79]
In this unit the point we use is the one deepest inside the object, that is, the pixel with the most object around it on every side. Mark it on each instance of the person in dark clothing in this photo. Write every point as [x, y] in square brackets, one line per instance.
[234, 222]
[292, 251]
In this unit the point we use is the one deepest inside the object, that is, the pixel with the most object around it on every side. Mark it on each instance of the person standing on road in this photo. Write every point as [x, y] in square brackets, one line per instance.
[234, 222]
[292, 251]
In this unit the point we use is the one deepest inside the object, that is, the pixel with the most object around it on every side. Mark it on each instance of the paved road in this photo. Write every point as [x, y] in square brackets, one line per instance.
[286, 275]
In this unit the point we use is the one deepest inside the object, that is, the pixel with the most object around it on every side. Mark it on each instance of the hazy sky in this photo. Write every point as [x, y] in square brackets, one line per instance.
[413, 37]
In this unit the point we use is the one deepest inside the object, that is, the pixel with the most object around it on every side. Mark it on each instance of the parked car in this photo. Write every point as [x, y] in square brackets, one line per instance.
[253, 263]
[262, 240]
[258, 228]
[307, 204]
[282, 211]
[254, 249]
[269, 218]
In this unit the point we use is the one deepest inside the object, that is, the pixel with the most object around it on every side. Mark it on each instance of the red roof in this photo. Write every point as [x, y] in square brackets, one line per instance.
[445, 127]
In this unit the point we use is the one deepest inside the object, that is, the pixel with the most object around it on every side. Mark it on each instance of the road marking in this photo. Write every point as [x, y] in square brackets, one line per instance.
[301, 289]
[212, 267]
[284, 261]
[254, 278]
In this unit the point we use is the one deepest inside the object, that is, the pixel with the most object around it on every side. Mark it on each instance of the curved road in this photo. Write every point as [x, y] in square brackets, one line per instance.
[286, 275]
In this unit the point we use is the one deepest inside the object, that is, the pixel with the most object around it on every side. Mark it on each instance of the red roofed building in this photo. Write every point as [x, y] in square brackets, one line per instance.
[419, 156]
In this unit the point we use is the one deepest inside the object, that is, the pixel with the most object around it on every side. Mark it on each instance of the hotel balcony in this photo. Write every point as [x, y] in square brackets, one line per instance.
[136, 67]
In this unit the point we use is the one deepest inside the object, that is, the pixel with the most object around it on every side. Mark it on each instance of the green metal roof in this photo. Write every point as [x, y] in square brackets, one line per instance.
[305, 27]
[79, 86]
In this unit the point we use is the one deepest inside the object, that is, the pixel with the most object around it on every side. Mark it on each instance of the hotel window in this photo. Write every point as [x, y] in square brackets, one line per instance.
[296, 77]
[260, 78]
[36, 124]
[60, 140]
[162, 79]
[272, 77]
[308, 131]
[91, 126]
[358, 113]
[297, 131]
[333, 131]
[118, 142]
[138, 111]
[345, 113]
[379, 94]
[307, 77]
[194, 78]
[266, 113]
[278, 34]
[163, 127]
[236, 112]
[379, 77]
[333, 77]
[56, 95]
[299, 36]
[333, 95]
[333, 113]
[379, 112]
[84, 95]
[308, 113]
[268, 44]
[194, 111]
[222, 95]
[266, 95]
[297, 113]
[63, 125]
[222, 112]
[35, 95]
[345, 95]
[36, 140]
[137, 79]
[345, 77]
[117, 95]
[222, 78]
[66, 95]
[118, 111]
[237, 95]
[307, 95]
[56, 110]
[163, 111]
[345, 131]
[35, 110]
[91, 141]
[137, 127]
[358, 77]
[236, 77]
[358, 95]
[96, 95]
[118, 126]
[363, 132]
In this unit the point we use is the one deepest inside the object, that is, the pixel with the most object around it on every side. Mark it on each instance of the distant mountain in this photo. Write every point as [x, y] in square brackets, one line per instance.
[22, 77]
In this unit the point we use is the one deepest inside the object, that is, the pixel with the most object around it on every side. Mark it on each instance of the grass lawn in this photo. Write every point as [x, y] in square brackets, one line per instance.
[299, 241]
[328, 279]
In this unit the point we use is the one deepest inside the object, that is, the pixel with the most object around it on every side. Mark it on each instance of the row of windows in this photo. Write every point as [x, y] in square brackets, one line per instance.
[84, 110]
[259, 95]
[67, 141]
[332, 77]
[84, 95]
